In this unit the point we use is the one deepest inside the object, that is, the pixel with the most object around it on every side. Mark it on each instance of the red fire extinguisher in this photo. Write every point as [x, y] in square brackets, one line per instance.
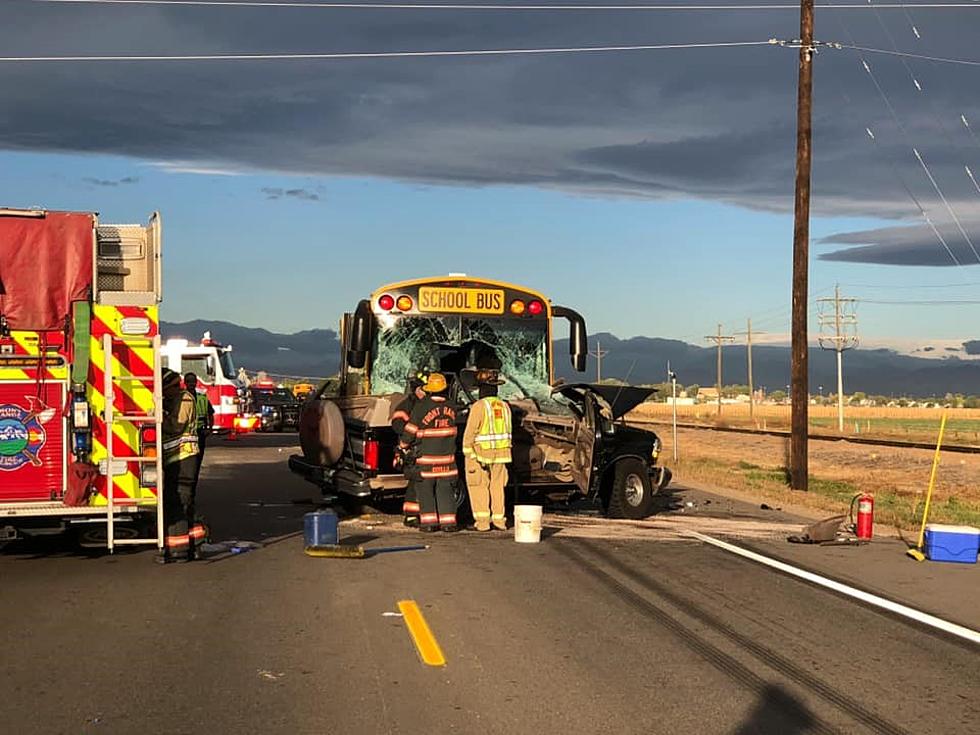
[864, 528]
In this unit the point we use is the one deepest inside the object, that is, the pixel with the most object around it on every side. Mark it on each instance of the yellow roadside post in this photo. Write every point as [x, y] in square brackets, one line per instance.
[916, 552]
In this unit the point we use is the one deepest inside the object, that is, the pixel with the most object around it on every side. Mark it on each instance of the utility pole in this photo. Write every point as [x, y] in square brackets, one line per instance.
[719, 339]
[672, 377]
[843, 322]
[598, 355]
[799, 470]
[748, 344]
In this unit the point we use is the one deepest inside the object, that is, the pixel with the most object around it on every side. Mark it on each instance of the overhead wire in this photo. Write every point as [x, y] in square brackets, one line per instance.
[383, 54]
[507, 7]
[915, 151]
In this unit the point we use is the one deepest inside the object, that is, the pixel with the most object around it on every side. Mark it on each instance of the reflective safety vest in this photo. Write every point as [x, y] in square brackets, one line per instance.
[183, 442]
[202, 406]
[493, 440]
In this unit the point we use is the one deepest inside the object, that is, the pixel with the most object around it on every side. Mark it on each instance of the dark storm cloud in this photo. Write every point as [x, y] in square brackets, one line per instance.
[112, 182]
[910, 245]
[709, 124]
[302, 194]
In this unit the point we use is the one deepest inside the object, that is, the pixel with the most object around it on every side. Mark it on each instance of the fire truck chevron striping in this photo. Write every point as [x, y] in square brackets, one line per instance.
[80, 401]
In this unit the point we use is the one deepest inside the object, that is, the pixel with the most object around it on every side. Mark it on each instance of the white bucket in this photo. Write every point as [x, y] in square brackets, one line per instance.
[527, 524]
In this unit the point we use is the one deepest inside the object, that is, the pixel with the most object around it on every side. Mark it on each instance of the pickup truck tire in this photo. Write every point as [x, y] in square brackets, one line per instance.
[321, 433]
[631, 494]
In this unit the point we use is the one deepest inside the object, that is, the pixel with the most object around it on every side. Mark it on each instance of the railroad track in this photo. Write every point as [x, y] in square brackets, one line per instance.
[956, 448]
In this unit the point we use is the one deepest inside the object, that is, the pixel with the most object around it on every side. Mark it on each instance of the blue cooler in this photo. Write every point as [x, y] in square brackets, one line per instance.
[952, 543]
[320, 528]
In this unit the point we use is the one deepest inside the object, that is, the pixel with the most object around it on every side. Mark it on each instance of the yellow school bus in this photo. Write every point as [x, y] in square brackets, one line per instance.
[451, 323]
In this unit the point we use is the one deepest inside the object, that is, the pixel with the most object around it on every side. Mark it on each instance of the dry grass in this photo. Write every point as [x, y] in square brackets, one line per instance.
[898, 478]
[913, 424]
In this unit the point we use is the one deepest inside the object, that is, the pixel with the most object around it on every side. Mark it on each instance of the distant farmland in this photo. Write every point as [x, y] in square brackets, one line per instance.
[914, 424]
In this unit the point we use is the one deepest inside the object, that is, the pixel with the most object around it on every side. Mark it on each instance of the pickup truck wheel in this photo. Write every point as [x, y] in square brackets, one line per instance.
[631, 495]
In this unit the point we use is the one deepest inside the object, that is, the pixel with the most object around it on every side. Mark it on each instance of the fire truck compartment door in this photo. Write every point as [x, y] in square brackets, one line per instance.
[45, 265]
[33, 450]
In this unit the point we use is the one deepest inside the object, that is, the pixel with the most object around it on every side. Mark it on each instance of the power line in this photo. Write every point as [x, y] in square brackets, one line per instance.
[905, 54]
[944, 302]
[918, 156]
[384, 54]
[499, 6]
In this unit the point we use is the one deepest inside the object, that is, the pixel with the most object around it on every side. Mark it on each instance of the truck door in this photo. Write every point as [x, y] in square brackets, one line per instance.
[585, 441]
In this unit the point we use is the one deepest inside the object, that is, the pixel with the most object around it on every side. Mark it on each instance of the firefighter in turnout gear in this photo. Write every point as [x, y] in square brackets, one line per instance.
[205, 420]
[487, 443]
[180, 451]
[399, 418]
[432, 429]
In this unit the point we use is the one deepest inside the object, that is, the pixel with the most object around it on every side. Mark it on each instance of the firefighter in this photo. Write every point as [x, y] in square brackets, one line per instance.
[431, 428]
[399, 418]
[487, 442]
[205, 420]
[179, 468]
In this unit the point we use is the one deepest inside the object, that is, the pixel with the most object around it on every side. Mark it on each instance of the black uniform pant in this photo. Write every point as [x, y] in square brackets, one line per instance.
[437, 502]
[202, 438]
[179, 479]
[410, 506]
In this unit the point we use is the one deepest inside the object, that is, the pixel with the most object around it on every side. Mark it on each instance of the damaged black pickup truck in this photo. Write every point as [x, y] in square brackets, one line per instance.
[570, 440]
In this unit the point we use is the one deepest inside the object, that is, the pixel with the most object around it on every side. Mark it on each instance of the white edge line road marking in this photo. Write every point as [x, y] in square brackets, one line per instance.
[894, 607]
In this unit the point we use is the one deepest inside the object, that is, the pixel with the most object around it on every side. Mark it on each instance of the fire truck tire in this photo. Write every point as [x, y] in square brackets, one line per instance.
[631, 495]
[321, 433]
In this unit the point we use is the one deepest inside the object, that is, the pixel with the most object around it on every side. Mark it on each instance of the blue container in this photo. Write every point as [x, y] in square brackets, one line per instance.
[959, 544]
[320, 528]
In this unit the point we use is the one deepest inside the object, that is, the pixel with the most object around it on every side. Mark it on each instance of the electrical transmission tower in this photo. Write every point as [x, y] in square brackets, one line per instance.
[719, 340]
[838, 332]
[598, 355]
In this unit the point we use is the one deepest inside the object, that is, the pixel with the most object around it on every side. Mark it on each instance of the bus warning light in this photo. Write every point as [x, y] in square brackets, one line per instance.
[535, 308]
[405, 303]
[386, 302]
[517, 307]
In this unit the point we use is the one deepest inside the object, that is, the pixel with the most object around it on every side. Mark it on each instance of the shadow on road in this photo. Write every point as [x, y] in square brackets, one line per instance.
[777, 712]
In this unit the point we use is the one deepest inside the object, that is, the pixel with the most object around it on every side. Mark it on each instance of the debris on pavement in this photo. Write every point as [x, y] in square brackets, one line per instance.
[227, 547]
[389, 614]
[340, 551]
[271, 675]
[828, 532]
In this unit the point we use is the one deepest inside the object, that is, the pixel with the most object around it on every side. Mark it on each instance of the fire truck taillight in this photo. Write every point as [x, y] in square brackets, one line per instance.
[371, 454]
[148, 437]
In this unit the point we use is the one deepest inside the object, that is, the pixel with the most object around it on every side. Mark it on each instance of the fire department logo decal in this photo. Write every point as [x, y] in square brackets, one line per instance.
[22, 434]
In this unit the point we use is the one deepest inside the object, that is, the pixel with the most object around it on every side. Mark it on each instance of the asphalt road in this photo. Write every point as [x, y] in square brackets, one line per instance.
[588, 632]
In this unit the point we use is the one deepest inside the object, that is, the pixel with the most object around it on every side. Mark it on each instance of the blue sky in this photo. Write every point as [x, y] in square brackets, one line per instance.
[650, 190]
[633, 266]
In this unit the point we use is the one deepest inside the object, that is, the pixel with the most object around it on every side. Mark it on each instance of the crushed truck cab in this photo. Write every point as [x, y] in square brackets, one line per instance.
[569, 441]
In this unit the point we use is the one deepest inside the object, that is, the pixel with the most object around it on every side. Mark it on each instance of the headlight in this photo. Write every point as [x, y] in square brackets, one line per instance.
[657, 446]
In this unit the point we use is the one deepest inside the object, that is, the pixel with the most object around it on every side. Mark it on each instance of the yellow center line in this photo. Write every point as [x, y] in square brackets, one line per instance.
[418, 628]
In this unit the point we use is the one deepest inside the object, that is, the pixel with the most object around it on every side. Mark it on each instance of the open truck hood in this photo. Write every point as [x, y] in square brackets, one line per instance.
[621, 398]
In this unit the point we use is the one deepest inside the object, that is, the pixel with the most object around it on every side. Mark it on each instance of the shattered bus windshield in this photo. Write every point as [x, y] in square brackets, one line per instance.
[411, 343]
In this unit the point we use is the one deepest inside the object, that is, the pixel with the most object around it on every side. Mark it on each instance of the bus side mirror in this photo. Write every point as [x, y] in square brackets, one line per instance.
[578, 338]
[360, 335]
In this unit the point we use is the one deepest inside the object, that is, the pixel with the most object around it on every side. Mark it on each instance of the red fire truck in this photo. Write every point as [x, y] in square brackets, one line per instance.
[212, 363]
[80, 401]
